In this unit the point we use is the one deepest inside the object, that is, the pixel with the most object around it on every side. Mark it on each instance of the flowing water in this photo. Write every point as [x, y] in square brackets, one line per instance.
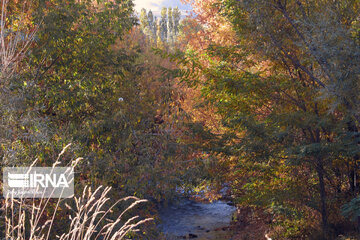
[196, 220]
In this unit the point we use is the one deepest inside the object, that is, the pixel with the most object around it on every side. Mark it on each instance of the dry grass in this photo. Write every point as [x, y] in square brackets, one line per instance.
[26, 219]
[88, 221]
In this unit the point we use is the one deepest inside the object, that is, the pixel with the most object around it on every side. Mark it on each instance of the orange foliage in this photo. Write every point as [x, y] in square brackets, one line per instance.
[216, 30]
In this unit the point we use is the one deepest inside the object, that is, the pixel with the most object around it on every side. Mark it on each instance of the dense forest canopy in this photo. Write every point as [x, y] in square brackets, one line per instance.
[258, 97]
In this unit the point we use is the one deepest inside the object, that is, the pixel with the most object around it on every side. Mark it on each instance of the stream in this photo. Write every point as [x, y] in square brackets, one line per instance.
[196, 220]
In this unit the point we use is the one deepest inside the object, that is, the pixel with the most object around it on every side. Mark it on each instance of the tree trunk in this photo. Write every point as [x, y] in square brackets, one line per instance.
[353, 174]
[320, 172]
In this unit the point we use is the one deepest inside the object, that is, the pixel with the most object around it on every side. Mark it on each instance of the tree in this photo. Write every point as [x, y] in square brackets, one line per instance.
[273, 85]
[176, 20]
[144, 22]
[152, 26]
[159, 41]
[170, 27]
[327, 64]
[89, 76]
[166, 29]
[163, 24]
[21, 127]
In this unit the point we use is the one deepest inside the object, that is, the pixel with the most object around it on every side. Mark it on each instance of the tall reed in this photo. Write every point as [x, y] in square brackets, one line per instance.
[26, 219]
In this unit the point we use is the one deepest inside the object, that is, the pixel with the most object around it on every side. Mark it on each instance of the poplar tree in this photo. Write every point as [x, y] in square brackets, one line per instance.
[144, 21]
[163, 24]
[159, 41]
[152, 26]
[176, 20]
[170, 26]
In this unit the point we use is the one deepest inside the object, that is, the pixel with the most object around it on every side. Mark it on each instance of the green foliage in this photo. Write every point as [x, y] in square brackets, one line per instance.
[88, 82]
[285, 92]
[176, 20]
[283, 96]
[352, 209]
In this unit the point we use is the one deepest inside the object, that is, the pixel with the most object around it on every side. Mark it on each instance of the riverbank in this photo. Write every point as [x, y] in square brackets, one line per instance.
[249, 224]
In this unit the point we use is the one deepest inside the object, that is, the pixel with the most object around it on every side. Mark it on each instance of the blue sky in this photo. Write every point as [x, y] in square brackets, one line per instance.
[156, 5]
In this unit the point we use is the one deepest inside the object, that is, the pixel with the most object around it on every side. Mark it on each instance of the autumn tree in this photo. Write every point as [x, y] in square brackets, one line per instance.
[20, 126]
[280, 79]
[89, 80]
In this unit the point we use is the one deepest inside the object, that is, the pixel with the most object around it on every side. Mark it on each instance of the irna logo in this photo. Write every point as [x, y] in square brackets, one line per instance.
[35, 179]
[38, 182]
